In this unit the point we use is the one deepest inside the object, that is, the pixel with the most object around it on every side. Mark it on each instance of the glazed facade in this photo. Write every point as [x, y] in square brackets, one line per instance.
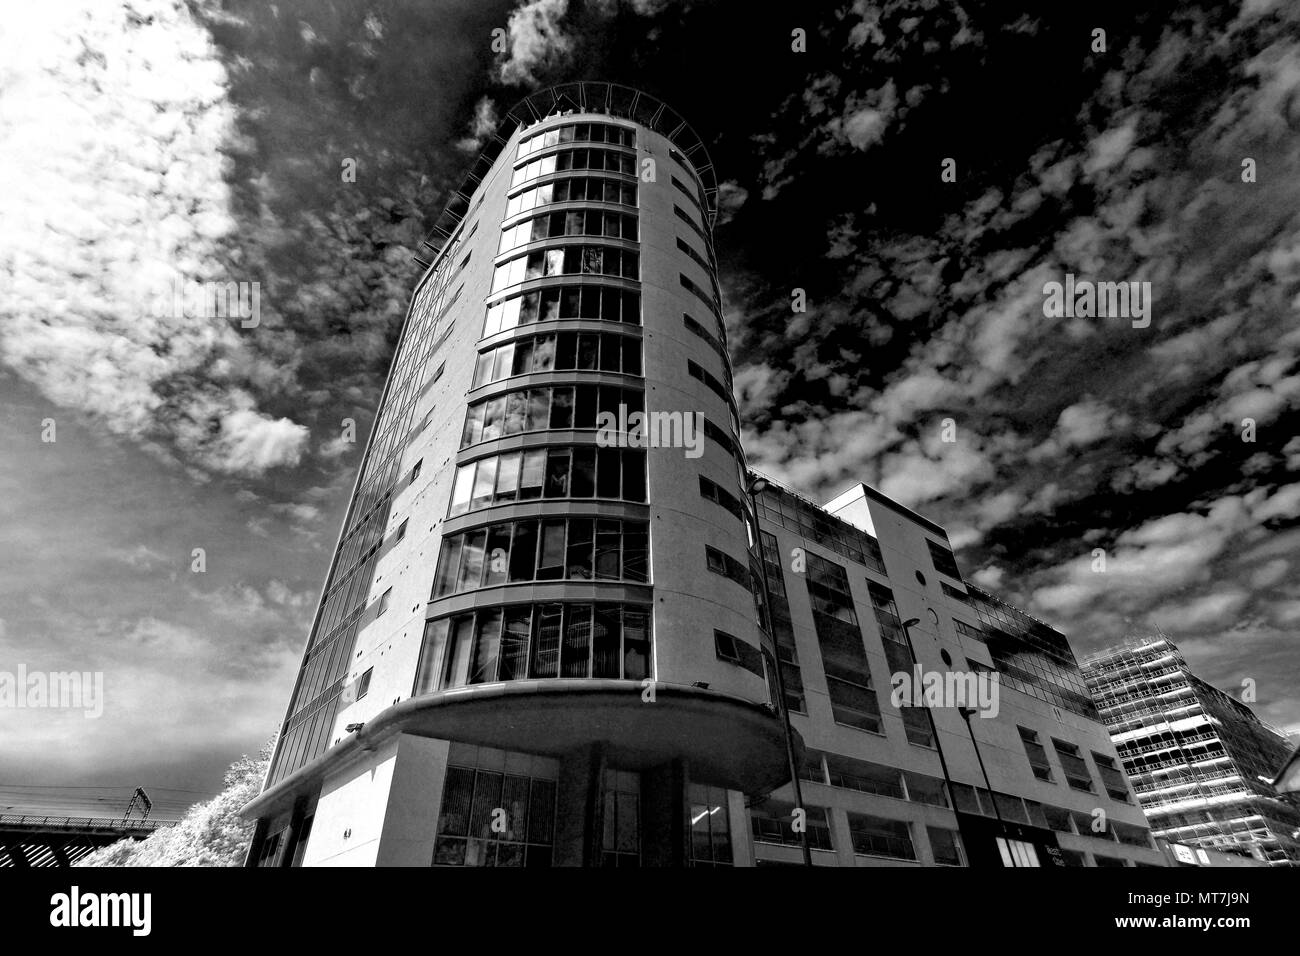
[1199, 759]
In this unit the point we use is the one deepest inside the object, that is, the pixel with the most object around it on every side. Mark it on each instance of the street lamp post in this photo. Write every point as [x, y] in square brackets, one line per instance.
[907, 633]
[752, 488]
[934, 730]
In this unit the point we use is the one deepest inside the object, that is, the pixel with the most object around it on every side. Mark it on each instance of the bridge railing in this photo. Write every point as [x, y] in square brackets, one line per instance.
[81, 823]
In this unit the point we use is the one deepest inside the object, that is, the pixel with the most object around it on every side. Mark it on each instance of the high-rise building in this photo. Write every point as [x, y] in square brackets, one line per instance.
[1200, 760]
[512, 661]
[1018, 773]
[539, 642]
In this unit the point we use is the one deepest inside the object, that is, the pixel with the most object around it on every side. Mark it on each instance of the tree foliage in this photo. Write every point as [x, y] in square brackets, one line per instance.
[210, 833]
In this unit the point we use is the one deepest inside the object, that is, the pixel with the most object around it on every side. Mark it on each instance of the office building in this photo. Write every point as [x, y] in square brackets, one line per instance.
[539, 639]
[865, 589]
[1200, 761]
[513, 659]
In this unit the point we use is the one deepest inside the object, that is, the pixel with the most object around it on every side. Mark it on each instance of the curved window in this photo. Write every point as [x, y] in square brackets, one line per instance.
[542, 409]
[567, 261]
[573, 222]
[560, 351]
[543, 549]
[602, 302]
[584, 158]
[532, 641]
[573, 189]
[583, 471]
[577, 133]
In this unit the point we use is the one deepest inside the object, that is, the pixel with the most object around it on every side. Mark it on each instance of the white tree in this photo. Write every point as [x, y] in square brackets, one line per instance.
[210, 833]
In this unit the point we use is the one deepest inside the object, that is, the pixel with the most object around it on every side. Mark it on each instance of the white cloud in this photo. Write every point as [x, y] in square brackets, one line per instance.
[114, 127]
[537, 39]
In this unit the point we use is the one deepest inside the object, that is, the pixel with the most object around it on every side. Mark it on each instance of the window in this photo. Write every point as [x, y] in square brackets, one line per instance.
[699, 293]
[1058, 818]
[945, 845]
[1036, 753]
[865, 777]
[722, 563]
[710, 826]
[383, 602]
[772, 822]
[886, 614]
[550, 407]
[270, 853]
[715, 434]
[955, 593]
[1112, 778]
[563, 351]
[621, 837]
[681, 186]
[717, 494]
[916, 725]
[401, 529]
[943, 559]
[1017, 853]
[924, 789]
[1107, 860]
[470, 799]
[550, 549]
[567, 260]
[712, 383]
[577, 159]
[681, 214]
[534, 641]
[363, 685]
[877, 836]
[415, 472]
[703, 333]
[580, 222]
[586, 189]
[967, 630]
[828, 589]
[695, 257]
[844, 659]
[583, 471]
[733, 650]
[576, 133]
[601, 302]
[779, 506]
[1131, 835]
[854, 704]
[1073, 765]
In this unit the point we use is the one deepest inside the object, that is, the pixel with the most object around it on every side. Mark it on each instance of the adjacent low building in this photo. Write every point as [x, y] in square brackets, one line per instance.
[864, 589]
[1200, 761]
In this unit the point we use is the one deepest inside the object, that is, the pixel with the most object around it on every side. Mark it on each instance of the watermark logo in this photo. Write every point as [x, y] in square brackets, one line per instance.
[189, 299]
[976, 691]
[57, 690]
[74, 908]
[1085, 299]
[651, 430]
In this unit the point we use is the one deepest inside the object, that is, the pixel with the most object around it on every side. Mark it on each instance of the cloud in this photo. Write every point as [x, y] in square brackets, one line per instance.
[481, 126]
[130, 118]
[537, 40]
[1108, 149]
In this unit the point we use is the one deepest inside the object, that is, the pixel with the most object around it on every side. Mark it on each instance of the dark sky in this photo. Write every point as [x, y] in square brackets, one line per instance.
[206, 140]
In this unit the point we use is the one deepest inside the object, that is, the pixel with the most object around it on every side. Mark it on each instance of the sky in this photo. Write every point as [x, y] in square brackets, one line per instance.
[153, 140]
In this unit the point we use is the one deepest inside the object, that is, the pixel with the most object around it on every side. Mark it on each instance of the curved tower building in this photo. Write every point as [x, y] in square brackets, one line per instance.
[538, 642]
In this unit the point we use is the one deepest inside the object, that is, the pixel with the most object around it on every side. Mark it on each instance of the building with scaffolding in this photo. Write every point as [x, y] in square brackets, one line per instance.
[1199, 760]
